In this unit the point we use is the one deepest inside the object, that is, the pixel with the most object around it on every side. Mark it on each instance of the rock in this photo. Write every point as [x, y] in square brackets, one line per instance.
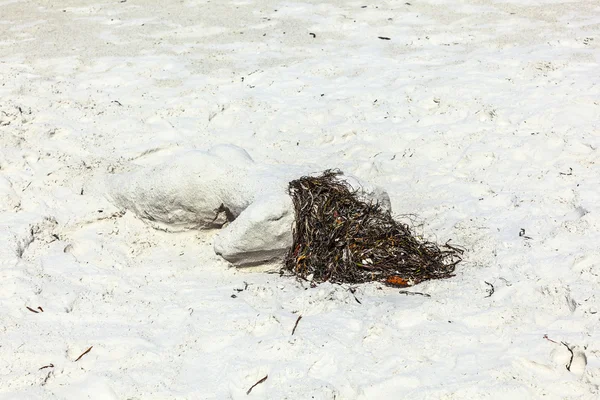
[188, 191]
[263, 232]
[210, 189]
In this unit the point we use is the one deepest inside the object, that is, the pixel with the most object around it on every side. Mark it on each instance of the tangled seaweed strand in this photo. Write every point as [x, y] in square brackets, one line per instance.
[341, 239]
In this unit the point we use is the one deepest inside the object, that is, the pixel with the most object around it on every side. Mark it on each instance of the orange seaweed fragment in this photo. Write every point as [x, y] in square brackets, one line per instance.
[396, 281]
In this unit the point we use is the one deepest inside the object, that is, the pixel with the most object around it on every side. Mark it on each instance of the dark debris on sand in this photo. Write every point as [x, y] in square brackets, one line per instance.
[341, 239]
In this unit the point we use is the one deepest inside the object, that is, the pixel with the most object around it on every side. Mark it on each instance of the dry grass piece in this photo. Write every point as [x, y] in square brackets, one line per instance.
[341, 239]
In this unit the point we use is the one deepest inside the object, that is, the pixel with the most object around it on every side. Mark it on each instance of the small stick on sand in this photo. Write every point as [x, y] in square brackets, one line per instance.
[550, 340]
[572, 355]
[296, 325]
[406, 292]
[83, 354]
[257, 383]
[32, 310]
[353, 291]
[46, 366]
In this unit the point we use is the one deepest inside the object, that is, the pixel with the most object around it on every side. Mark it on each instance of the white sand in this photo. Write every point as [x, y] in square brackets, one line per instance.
[480, 117]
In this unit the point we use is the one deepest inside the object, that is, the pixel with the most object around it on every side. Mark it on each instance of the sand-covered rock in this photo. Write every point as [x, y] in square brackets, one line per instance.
[263, 232]
[189, 190]
[210, 189]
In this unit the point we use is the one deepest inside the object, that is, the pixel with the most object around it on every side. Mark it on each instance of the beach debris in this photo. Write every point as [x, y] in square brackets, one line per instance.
[396, 281]
[246, 284]
[577, 360]
[48, 375]
[522, 234]
[384, 38]
[296, 324]
[548, 339]
[257, 383]
[568, 366]
[32, 310]
[46, 366]
[406, 292]
[84, 353]
[490, 291]
[339, 238]
[567, 173]
[352, 291]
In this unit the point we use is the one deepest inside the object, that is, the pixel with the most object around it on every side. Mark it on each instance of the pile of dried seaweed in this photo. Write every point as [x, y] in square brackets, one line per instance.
[341, 239]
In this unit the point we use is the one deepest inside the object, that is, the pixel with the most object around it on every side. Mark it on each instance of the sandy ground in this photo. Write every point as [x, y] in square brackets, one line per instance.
[479, 117]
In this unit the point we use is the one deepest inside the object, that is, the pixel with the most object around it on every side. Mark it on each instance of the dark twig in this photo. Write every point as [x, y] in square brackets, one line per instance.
[41, 309]
[490, 290]
[296, 324]
[567, 174]
[48, 375]
[84, 353]
[457, 249]
[245, 287]
[257, 383]
[46, 366]
[32, 310]
[522, 234]
[572, 355]
[353, 291]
